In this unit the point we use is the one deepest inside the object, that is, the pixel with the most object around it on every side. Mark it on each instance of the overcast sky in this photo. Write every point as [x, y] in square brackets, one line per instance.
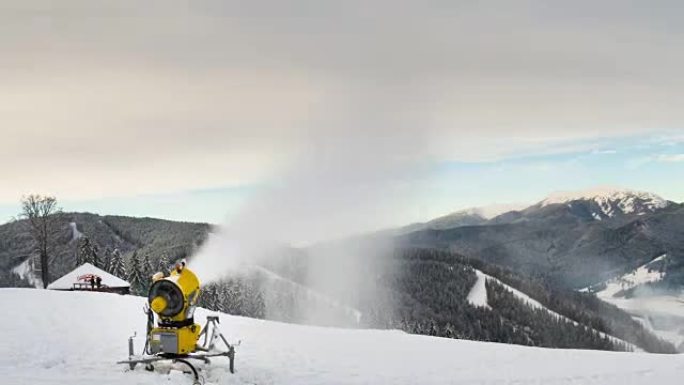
[185, 109]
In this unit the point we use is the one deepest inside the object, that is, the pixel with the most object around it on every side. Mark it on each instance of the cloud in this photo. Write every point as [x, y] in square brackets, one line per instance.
[669, 139]
[660, 158]
[123, 98]
[604, 152]
[671, 158]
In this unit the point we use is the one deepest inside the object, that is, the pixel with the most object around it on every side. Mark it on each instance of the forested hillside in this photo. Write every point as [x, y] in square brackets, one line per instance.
[421, 290]
[566, 245]
[424, 291]
[81, 237]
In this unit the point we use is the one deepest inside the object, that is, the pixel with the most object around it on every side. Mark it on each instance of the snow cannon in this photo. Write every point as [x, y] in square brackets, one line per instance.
[173, 299]
[171, 333]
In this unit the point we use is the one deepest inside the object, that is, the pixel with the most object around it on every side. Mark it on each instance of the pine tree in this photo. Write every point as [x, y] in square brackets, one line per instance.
[253, 305]
[86, 252]
[116, 264]
[146, 271]
[209, 298]
[163, 264]
[222, 298]
[106, 259]
[135, 275]
[147, 267]
[234, 297]
[95, 256]
[78, 255]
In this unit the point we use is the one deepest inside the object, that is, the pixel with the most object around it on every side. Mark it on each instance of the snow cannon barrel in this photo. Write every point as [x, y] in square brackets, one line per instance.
[174, 297]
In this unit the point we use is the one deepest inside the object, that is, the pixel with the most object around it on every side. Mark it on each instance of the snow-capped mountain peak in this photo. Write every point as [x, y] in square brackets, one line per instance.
[471, 217]
[491, 211]
[611, 201]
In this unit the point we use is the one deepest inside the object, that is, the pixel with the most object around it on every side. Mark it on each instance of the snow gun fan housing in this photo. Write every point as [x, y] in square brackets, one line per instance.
[174, 298]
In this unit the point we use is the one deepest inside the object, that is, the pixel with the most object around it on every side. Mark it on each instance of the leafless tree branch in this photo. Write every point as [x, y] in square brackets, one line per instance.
[39, 212]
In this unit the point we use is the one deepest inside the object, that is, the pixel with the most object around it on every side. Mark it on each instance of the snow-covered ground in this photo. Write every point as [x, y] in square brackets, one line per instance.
[75, 234]
[25, 271]
[51, 337]
[646, 273]
[662, 314]
[478, 294]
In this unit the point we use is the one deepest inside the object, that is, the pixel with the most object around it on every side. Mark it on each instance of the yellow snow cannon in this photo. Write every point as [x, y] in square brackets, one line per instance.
[173, 299]
[172, 333]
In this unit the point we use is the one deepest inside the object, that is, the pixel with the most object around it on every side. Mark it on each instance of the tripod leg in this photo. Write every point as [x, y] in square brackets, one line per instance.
[204, 332]
[131, 352]
[229, 346]
[231, 357]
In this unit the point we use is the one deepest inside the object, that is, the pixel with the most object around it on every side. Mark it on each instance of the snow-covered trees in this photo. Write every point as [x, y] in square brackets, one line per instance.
[143, 272]
[87, 252]
[106, 259]
[253, 302]
[135, 275]
[116, 264]
[163, 264]
[238, 296]
[209, 297]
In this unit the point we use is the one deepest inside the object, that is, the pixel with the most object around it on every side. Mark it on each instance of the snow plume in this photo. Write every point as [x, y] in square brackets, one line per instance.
[339, 184]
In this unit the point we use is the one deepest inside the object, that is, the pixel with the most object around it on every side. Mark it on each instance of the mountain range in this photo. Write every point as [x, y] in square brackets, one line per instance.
[574, 239]
[557, 252]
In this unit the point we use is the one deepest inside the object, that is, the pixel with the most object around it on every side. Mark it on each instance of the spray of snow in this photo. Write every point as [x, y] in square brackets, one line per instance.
[311, 296]
[341, 183]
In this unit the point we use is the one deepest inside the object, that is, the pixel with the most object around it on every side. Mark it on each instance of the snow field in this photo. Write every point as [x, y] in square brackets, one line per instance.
[74, 338]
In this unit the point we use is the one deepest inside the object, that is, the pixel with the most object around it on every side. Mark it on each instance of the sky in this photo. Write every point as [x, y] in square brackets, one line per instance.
[384, 113]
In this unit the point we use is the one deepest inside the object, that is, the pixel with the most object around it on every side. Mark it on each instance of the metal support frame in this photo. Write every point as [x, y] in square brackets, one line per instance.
[211, 334]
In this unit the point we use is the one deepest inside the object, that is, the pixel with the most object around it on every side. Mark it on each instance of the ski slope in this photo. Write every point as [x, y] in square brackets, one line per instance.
[51, 337]
[478, 294]
[641, 275]
[662, 313]
[478, 297]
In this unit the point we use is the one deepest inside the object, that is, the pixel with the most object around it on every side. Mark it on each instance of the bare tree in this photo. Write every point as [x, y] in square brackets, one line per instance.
[39, 211]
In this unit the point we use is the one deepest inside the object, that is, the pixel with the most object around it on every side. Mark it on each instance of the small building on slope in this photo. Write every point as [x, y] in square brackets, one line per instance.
[87, 277]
